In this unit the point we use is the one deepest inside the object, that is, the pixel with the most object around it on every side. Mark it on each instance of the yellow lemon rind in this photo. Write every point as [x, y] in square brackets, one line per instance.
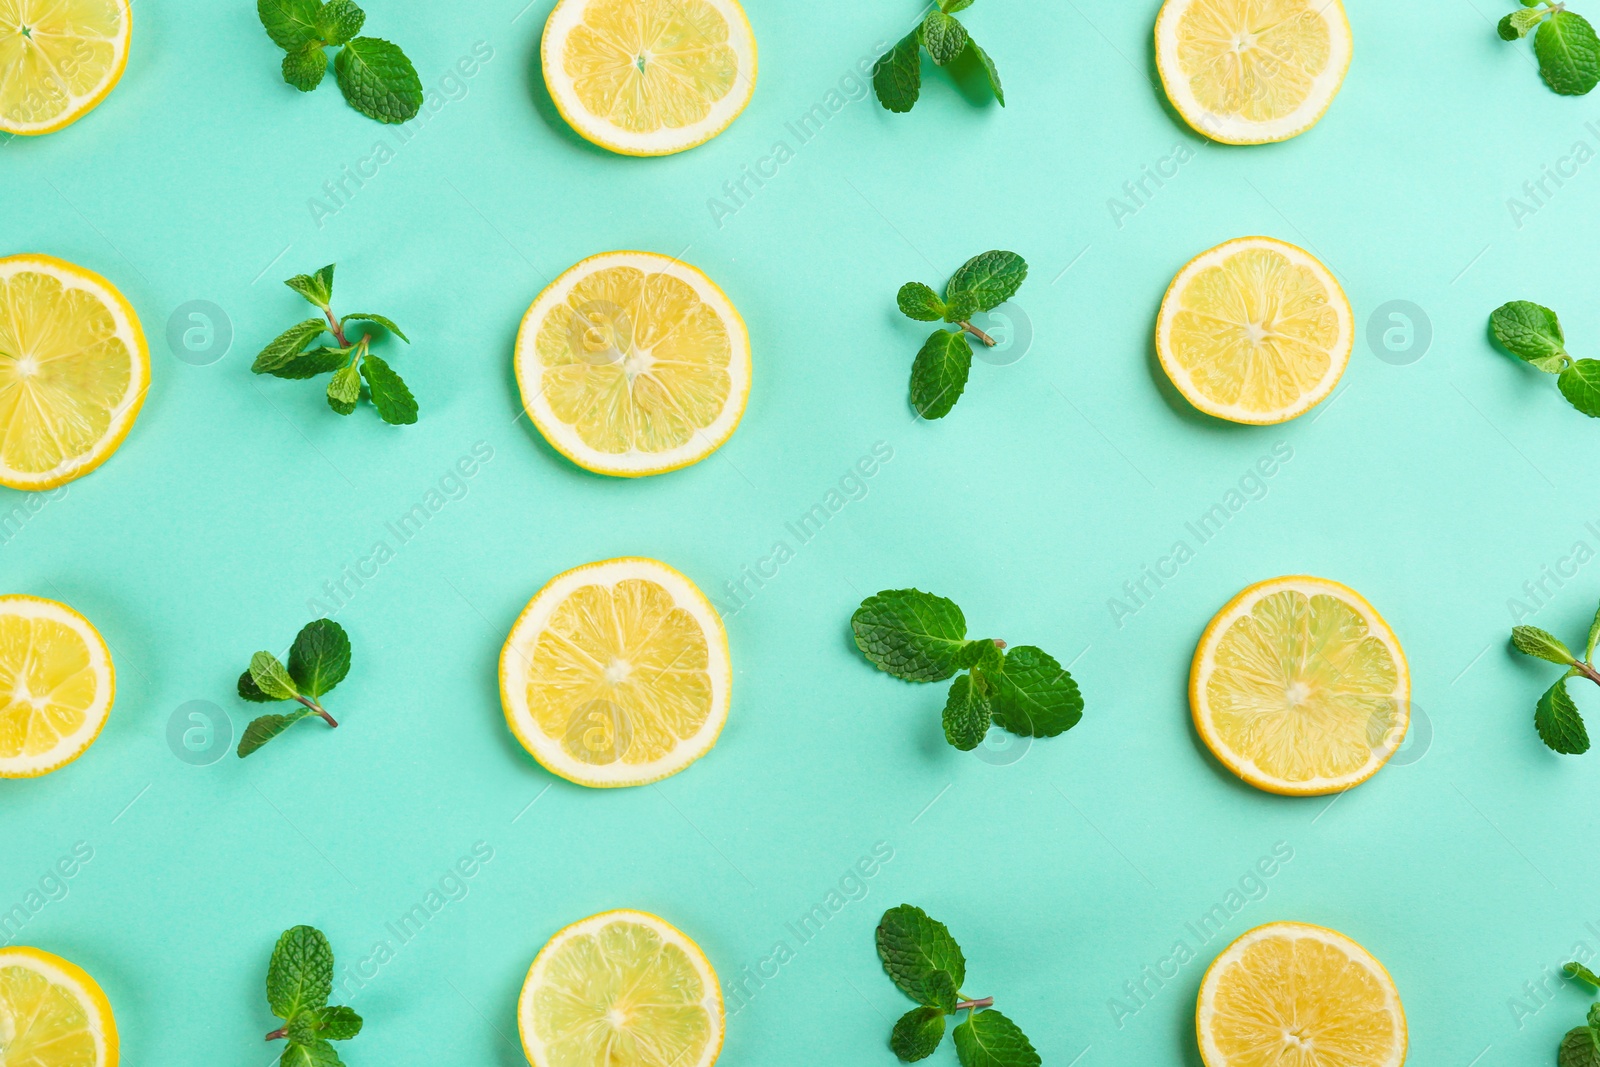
[533, 1048]
[57, 971]
[599, 131]
[563, 439]
[1234, 131]
[93, 100]
[131, 334]
[1200, 672]
[525, 631]
[95, 718]
[1213, 1057]
[1339, 356]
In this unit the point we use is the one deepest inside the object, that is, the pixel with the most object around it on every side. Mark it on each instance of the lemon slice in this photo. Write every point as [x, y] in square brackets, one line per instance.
[1296, 995]
[1252, 71]
[1255, 330]
[617, 673]
[631, 363]
[1300, 688]
[74, 369]
[58, 60]
[52, 1014]
[56, 686]
[649, 77]
[621, 989]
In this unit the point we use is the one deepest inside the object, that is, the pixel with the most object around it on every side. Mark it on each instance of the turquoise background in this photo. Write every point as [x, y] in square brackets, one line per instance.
[1436, 487]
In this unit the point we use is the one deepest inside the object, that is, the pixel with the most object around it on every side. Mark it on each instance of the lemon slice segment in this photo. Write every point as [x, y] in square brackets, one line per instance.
[57, 684]
[1252, 71]
[74, 369]
[58, 60]
[1295, 995]
[649, 77]
[617, 673]
[1255, 331]
[632, 364]
[1299, 687]
[621, 989]
[52, 1014]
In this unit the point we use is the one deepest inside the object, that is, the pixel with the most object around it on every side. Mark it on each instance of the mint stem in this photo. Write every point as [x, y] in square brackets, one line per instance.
[999, 643]
[319, 709]
[278, 1034]
[986, 1002]
[335, 328]
[1587, 671]
[979, 334]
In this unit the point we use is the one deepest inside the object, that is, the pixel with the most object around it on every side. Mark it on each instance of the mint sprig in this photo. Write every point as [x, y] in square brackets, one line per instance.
[299, 983]
[375, 76]
[939, 373]
[1532, 333]
[923, 960]
[920, 637]
[1580, 1047]
[1556, 715]
[318, 660]
[1565, 44]
[897, 76]
[291, 355]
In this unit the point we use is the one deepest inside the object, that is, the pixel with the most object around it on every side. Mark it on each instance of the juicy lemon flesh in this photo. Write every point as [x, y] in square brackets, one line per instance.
[1300, 1002]
[1303, 688]
[634, 361]
[1253, 59]
[42, 1024]
[63, 369]
[47, 685]
[54, 53]
[1255, 331]
[620, 997]
[620, 674]
[647, 65]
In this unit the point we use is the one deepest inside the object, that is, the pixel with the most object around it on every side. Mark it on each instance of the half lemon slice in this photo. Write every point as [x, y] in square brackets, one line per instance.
[74, 369]
[56, 687]
[1255, 331]
[649, 77]
[1252, 71]
[621, 989]
[1300, 688]
[617, 673]
[52, 1014]
[632, 363]
[1293, 995]
[58, 60]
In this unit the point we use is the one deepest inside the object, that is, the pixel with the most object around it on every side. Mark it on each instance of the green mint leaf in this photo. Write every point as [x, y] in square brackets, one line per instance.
[1522, 21]
[982, 654]
[340, 1024]
[921, 957]
[1507, 28]
[320, 657]
[340, 20]
[1558, 722]
[378, 80]
[1580, 1048]
[1569, 54]
[943, 37]
[1594, 637]
[316, 1054]
[393, 400]
[290, 23]
[1594, 1018]
[1033, 695]
[287, 345]
[991, 277]
[305, 1028]
[989, 1039]
[918, 1033]
[939, 373]
[344, 389]
[266, 728]
[910, 634]
[1580, 384]
[362, 316]
[1582, 974]
[919, 302]
[897, 76]
[304, 67]
[252, 692]
[300, 975]
[966, 713]
[988, 69]
[962, 306]
[1529, 331]
[316, 288]
[950, 7]
[312, 362]
[271, 678]
[1532, 641]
